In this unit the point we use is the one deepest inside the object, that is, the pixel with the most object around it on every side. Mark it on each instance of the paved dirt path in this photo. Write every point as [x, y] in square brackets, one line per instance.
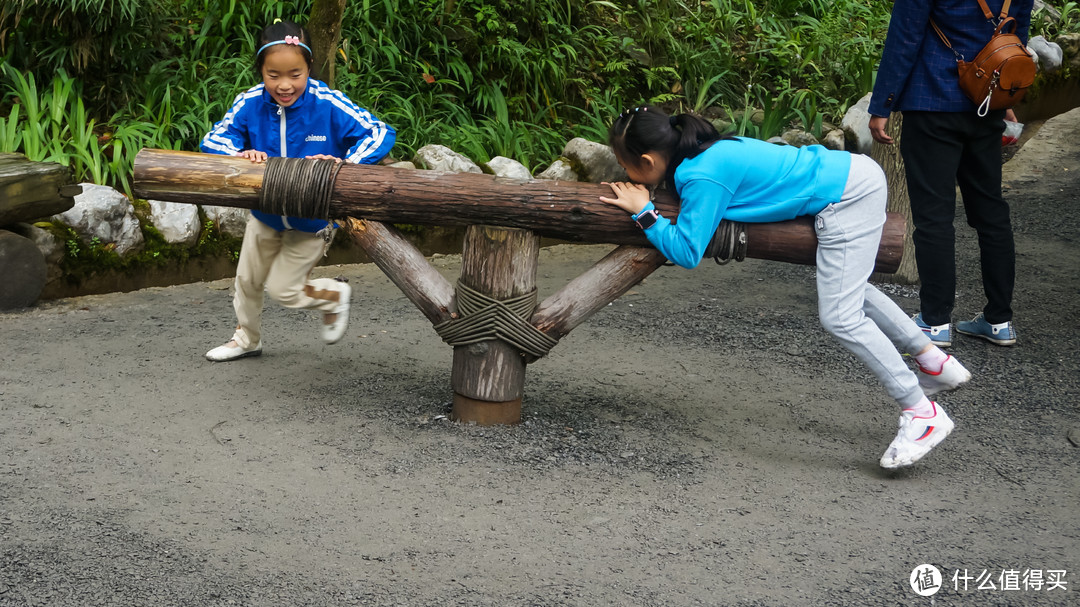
[701, 441]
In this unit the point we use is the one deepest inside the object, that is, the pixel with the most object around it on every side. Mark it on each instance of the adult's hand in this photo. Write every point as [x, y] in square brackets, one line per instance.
[877, 130]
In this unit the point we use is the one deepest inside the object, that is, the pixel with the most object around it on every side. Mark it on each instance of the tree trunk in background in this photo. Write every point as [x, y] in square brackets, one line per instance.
[324, 26]
[888, 156]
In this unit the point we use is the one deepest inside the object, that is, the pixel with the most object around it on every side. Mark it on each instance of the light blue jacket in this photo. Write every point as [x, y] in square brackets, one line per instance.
[320, 121]
[749, 181]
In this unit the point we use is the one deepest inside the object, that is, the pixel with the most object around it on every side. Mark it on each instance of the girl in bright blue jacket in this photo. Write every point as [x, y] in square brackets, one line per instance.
[751, 181]
[290, 114]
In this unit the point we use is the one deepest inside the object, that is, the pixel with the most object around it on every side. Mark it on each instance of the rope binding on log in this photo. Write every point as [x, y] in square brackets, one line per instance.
[485, 319]
[298, 187]
[729, 242]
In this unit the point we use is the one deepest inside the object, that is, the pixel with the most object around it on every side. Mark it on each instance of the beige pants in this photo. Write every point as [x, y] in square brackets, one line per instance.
[280, 262]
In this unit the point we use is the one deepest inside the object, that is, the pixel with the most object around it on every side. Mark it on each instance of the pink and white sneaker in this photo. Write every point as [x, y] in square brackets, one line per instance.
[951, 375]
[917, 436]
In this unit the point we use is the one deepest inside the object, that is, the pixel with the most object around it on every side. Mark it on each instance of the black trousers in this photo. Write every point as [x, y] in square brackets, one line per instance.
[941, 150]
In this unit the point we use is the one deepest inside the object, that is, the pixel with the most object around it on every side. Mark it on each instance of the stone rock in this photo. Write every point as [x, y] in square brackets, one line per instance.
[501, 166]
[560, 170]
[178, 223]
[799, 138]
[777, 139]
[722, 126]
[856, 126]
[103, 213]
[1052, 13]
[1070, 49]
[229, 220]
[23, 267]
[49, 245]
[834, 139]
[1048, 54]
[404, 164]
[594, 162]
[441, 158]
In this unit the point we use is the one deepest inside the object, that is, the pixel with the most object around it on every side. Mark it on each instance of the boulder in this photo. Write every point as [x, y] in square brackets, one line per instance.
[502, 166]
[799, 138]
[834, 140]
[441, 158]
[103, 213]
[1048, 54]
[856, 126]
[593, 162]
[560, 170]
[23, 267]
[1070, 49]
[178, 223]
[229, 220]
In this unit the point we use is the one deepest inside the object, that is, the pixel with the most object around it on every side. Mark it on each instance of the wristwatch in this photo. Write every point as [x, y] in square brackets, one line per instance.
[646, 219]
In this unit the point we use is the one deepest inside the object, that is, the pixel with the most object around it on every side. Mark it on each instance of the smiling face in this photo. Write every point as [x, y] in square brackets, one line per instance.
[285, 73]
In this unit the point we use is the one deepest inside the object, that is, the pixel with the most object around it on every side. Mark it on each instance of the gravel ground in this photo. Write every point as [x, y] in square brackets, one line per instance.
[700, 441]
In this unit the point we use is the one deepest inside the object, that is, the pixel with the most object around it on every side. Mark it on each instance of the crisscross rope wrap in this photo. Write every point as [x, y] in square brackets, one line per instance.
[484, 319]
[729, 242]
[298, 187]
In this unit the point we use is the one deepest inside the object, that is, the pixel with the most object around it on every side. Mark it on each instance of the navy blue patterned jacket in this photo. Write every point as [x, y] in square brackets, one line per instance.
[917, 71]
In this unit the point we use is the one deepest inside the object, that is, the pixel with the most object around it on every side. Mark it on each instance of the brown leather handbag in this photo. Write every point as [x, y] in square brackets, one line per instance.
[1001, 72]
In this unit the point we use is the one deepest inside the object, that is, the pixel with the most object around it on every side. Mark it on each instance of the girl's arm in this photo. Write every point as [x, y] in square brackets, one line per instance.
[229, 135]
[367, 139]
[683, 243]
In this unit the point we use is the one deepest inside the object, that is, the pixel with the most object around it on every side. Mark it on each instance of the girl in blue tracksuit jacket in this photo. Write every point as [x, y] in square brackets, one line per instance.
[290, 114]
[750, 181]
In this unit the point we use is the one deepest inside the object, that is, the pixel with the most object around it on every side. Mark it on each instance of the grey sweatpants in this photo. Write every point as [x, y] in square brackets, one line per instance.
[865, 320]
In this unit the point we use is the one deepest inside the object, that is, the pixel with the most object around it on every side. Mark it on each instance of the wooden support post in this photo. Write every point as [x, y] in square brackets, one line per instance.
[600, 285]
[406, 267]
[488, 378]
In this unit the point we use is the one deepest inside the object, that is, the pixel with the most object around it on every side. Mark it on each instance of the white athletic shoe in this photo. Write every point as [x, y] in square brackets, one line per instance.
[951, 375]
[333, 332]
[917, 436]
[233, 352]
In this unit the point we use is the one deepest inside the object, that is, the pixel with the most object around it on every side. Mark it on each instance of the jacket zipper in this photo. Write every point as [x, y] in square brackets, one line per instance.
[284, 152]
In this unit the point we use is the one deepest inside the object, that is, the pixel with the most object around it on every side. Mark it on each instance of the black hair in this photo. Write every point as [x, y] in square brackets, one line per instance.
[277, 31]
[647, 129]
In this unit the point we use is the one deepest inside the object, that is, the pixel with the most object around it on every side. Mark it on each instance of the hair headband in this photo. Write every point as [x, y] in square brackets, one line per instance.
[288, 40]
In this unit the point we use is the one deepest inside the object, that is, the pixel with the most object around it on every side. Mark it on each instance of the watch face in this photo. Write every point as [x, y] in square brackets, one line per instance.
[646, 219]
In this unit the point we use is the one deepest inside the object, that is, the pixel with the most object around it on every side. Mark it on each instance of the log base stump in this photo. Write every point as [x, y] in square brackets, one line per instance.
[486, 413]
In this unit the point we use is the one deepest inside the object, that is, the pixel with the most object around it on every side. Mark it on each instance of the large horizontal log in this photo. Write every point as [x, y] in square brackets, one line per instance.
[33, 190]
[566, 210]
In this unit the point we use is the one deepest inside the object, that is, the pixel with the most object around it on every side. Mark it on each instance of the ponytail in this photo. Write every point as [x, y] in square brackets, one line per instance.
[647, 129]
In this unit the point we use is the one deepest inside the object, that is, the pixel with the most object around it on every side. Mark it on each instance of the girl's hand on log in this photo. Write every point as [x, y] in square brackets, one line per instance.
[254, 155]
[630, 197]
[323, 157]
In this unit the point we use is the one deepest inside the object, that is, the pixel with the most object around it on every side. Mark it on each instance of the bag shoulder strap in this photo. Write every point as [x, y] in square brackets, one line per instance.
[990, 15]
[986, 11]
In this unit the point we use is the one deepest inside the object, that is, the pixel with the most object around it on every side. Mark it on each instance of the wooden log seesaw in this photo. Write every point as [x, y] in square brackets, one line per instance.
[491, 317]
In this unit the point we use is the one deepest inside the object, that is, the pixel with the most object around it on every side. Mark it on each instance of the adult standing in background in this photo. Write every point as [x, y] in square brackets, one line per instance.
[944, 143]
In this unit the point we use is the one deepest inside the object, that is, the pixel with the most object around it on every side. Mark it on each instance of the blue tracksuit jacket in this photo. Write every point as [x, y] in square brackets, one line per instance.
[320, 121]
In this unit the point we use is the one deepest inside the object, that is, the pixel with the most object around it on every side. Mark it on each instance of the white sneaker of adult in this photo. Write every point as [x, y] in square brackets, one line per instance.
[333, 332]
[951, 375]
[233, 351]
[917, 436]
